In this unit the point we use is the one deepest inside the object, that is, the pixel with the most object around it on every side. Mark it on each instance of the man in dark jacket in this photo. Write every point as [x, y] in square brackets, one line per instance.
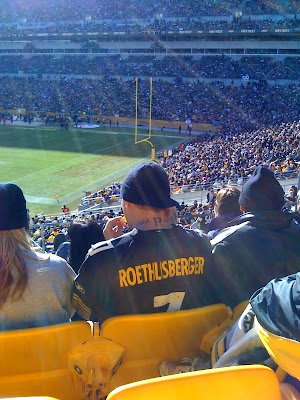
[261, 244]
[270, 324]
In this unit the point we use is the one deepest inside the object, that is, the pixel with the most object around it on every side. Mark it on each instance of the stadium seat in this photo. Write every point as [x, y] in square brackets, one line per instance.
[253, 382]
[34, 362]
[285, 352]
[210, 337]
[29, 398]
[239, 309]
[152, 338]
[99, 200]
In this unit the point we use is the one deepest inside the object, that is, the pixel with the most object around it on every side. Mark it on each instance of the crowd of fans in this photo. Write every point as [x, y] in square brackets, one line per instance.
[260, 243]
[220, 160]
[235, 109]
[169, 66]
[42, 10]
[287, 70]
[225, 160]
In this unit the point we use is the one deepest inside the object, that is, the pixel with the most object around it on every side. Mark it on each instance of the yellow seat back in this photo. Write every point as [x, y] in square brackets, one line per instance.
[285, 352]
[30, 398]
[34, 362]
[152, 338]
[253, 382]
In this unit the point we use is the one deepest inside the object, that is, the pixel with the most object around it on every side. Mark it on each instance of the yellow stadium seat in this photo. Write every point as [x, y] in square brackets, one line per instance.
[30, 398]
[210, 338]
[252, 382]
[239, 309]
[285, 352]
[34, 362]
[152, 338]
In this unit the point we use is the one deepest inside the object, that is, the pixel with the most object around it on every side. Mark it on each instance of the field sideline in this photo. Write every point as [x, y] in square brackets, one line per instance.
[46, 161]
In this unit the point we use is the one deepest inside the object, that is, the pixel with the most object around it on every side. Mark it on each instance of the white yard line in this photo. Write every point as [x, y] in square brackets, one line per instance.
[40, 200]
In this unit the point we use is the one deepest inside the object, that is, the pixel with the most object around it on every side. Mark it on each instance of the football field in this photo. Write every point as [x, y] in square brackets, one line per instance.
[46, 161]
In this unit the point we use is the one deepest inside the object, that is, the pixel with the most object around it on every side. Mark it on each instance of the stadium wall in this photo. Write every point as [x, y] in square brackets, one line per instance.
[158, 124]
[163, 124]
[196, 48]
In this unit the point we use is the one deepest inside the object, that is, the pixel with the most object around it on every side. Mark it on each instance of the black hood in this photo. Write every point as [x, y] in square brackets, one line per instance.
[267, 219]
[277, 306]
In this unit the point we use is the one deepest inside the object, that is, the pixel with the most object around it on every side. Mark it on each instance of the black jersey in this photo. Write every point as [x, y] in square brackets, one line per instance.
[145, 272]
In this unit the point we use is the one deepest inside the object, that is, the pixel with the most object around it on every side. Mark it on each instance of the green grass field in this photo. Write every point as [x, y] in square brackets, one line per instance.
[45, 161]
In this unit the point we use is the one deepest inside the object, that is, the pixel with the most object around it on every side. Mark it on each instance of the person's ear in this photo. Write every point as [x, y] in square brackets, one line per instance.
[126, 204]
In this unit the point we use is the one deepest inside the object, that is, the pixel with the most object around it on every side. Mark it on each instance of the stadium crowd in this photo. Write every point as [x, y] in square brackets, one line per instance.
[41, 10]
[225, 159]
[245, 239]
[39, 289]
[218, 160]
[235, 109]
[168, 66]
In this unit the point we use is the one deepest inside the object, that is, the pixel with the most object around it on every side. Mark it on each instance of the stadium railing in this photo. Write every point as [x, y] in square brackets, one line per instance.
[199, 186]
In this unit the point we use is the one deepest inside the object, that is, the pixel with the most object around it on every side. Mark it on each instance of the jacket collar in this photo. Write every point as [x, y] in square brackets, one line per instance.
[269, 219]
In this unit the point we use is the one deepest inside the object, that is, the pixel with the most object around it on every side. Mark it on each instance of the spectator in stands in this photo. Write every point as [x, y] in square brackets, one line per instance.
[65, 209]
[291, 198]
[156, 267]
[261, 244]
[35, 289]
[226, 209]
[58, 240]
[72, 14]
[275, 334]
[63, 250]
[276, 308]
[82, 235]
[211, 197]
[204, 218]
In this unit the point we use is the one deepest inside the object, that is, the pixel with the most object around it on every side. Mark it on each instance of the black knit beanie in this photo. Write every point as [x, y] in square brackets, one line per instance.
[262, 192]
[13, 211]
[148, 185]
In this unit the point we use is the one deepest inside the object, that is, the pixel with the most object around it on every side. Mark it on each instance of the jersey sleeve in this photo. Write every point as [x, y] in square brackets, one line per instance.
[68, 283]
[82, 296]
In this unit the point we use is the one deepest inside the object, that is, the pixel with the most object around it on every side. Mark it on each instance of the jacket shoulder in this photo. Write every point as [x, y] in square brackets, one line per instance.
[226, 233]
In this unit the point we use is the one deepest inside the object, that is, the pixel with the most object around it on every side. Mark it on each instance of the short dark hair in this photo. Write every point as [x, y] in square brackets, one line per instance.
[82, 235]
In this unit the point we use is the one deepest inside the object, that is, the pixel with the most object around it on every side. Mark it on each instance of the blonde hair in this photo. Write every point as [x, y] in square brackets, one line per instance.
[11, 255]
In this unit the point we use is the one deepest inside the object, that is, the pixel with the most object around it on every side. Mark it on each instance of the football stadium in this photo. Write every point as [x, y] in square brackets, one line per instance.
[150, 199]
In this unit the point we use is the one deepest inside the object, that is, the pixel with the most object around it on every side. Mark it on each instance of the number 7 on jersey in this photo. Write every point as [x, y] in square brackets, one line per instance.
[174, 300]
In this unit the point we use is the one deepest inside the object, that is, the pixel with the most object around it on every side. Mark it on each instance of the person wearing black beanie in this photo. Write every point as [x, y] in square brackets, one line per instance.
[35, 288]
[157, 266]
[261, 244]
[262, 192]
